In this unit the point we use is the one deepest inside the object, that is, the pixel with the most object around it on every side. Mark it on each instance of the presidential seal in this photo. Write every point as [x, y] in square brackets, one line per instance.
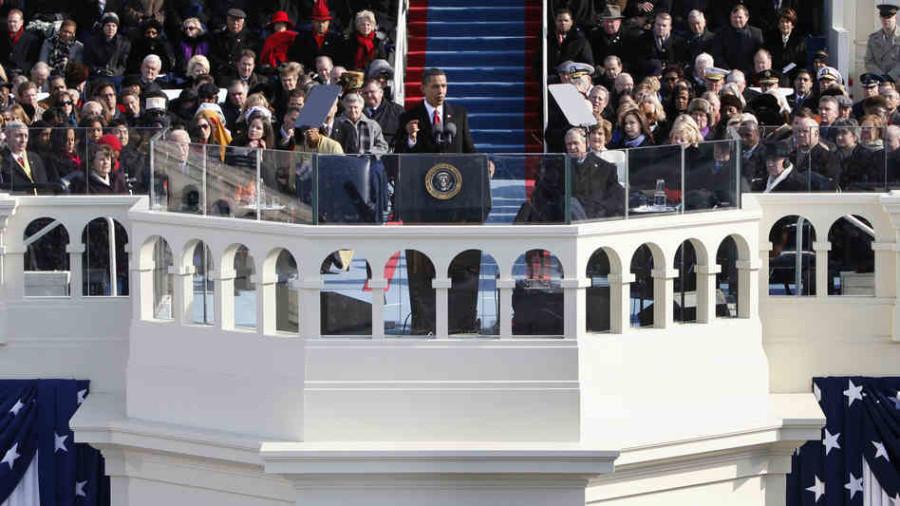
[443, 181]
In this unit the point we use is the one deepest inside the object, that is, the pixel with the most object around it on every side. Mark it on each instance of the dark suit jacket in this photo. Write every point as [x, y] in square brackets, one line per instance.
[574, 47]
[456, 114]
[734, 49]
[672, 51]
[305, 50]
[388, 117]
[13, 177]
[793, 52]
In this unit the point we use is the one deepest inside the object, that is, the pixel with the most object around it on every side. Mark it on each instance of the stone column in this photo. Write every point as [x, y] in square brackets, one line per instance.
[378, 286]
[706, 292]
[506, 286]
[183, 294]
[441, 306]
[620, 300]
[821, 248]
[76, 270]
[663, 289]
[749, 272]
[575, 306]
[310, 306]
[224, 285]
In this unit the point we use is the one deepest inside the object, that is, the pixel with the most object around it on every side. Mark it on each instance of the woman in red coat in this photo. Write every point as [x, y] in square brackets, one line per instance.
[275, 48]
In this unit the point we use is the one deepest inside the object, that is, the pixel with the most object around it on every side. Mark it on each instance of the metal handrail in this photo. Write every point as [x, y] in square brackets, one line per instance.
[401, 48]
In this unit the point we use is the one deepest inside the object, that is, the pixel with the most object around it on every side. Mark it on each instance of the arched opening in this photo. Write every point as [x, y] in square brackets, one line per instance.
[244, 289]
[685, 287]
[346, 298]
[473, 299]
[46, 260]
[851, 261]
[598, 294]
[792, 260]
[163, 280]
[538, 296]
[104, 269]
[727, 280]
[287, 317]
[409, 307]
[642, 287]
[203, 285]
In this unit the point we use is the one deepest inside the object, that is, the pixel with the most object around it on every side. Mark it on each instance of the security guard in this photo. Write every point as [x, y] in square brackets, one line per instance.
[883, 47]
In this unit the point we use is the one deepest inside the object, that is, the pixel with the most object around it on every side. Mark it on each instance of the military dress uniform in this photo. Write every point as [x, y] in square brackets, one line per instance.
[883, 50]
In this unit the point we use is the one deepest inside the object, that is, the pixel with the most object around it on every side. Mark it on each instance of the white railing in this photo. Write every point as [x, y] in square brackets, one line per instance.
[401, 48]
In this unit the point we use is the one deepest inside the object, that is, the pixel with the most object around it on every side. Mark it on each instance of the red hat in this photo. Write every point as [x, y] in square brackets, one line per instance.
[281, 17]
[112, 141]
[320, 11]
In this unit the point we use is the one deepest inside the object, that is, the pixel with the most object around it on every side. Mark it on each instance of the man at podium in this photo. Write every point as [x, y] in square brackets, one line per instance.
[435, 126]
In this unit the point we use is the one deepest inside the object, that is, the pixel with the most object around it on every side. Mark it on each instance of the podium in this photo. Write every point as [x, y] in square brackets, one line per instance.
[443, 188]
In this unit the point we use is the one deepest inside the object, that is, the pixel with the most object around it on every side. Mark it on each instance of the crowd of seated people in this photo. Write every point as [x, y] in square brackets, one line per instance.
[82, 80]
[719, 70]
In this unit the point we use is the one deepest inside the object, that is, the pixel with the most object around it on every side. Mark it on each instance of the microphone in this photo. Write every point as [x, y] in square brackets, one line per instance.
[451, 132]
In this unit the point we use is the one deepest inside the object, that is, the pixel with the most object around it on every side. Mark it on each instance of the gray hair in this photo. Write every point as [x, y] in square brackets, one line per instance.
[704, 57]
[152, 58]
[352, 98]
[695, 14]
[14, 125]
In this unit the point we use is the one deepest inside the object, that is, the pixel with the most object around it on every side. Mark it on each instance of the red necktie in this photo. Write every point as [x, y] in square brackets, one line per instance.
[436, 121]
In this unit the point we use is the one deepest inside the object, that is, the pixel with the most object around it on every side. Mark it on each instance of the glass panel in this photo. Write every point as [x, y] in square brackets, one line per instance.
[792, 260]
[346, 299]
[285, 174]
[409, 307]
[100, 264]
[597, 186]
[351, 189]
[710, 179]
[439, 188]
[538, 296]
[46, 261]
[859, 153]
[231, 182]
[851, 261]
[527, 189]
[654, 180]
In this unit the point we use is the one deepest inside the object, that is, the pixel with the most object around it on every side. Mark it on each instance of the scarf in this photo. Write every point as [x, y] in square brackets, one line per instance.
[320, 39]
[217, 130]
[14, 37]
[637, 141]
[59, 54]
[365, 50]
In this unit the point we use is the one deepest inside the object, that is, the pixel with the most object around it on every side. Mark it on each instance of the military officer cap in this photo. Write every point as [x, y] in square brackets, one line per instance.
[767, 76]
[830, 73]
[575, 69]
[887, 10]
[715, 74]
[870, 80]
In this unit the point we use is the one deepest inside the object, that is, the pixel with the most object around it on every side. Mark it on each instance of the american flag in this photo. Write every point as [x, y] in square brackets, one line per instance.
[40, 464]
[857, 460]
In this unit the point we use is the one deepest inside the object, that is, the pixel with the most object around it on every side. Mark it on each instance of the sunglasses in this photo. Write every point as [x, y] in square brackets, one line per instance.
[66, 103]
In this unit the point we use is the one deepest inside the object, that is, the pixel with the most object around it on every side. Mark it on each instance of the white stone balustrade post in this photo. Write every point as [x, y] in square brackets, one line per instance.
[76, 270]
[224, 284]
[821, 248]
[706, 292]
[620, 298]
[441, 287]
[183, 293]
[310, 314]
[885, 261]
[663, 295]
[266, 302]
[749, 272]
[506, 287]
[574, 306]
[378, 286]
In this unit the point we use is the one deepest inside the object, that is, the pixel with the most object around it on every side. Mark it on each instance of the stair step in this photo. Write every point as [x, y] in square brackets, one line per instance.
[481, 74]
[467, 3]
[501, 136]
[478, 13]
[463, 28]
[449, 58]
[484, 89]
[496, 120]
[516, 43]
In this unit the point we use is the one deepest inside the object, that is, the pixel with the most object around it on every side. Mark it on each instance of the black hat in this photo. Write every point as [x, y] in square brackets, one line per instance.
[887, 10]
[821, 54]
[870, 79]
[6, 84]
[776, 149]
[236, 13]
[767, 76]
[728, 99]
[886, 78]
[109, 17]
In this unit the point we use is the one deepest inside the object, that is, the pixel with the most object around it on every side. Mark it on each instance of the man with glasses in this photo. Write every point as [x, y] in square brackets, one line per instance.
[105, 94]
[881, 49]
[385, 113]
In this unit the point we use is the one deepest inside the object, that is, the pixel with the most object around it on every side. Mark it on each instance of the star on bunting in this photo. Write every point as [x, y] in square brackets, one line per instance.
[818, 488]
[880, 451]
[853, 392]
[79, 488]
[854, 485]
[59, 442]
[17, 407]
[831, 441]
[11, 455]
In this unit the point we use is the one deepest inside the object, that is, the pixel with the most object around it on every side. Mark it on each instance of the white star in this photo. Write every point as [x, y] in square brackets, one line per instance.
[818, 488]
[895, 500]
[880, 451]
[17, 407]
[60, 442]
[79, 488]
[896, 400]
[831, 441]
[854, 485]
[853, 392]
[817, 393]
[81, 396]
[11, 455]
